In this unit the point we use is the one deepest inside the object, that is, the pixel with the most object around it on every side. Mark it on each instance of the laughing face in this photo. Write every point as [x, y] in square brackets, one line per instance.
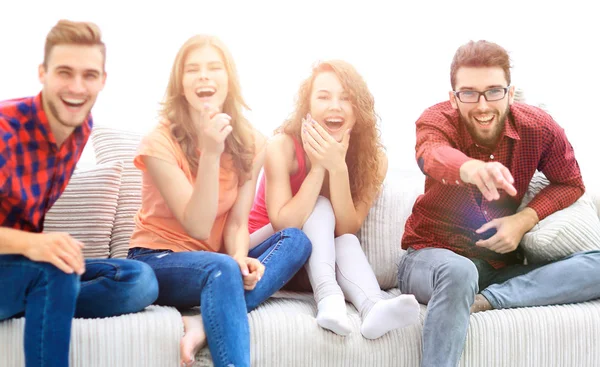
[330, 105]
[205, 79]
[484, 120]
[72, 78]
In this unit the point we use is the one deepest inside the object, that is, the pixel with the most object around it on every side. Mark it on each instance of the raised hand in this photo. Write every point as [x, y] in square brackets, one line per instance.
[322, 148]
[59, 249]
[488, 177]
[313, 157]
[214, 129]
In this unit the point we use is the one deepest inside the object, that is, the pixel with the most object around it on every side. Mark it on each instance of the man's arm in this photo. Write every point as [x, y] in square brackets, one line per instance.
[235, 234]
[13, 242]
[59, 249]
[438, 158]
[560, 167]
[509, 231]
[436, 152]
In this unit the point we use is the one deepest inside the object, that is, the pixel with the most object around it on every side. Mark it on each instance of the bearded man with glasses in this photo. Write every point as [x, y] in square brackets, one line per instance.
[479, 151]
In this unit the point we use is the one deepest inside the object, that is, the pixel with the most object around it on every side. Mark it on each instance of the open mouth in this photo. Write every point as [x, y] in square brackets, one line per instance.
[73, 102]
[205, 92]
[484, 120]
[334, 123]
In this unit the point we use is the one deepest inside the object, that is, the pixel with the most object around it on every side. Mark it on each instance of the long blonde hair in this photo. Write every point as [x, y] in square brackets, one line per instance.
[364, 151]
[240, 142]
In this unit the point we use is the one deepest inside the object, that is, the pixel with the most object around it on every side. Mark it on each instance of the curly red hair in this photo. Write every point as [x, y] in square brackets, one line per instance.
[364, 151]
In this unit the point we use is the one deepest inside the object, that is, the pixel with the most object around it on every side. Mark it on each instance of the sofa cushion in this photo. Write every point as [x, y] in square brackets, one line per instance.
[149, 338]
[381, 233]
[573, 229]
[284, 332]
[87, 208]
[112, 145]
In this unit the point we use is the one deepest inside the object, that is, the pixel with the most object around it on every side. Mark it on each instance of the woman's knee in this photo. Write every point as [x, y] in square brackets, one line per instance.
[347, 241]
[142, 284]
[225, 268]
[148, 283]
[323, 210]
[297, 242]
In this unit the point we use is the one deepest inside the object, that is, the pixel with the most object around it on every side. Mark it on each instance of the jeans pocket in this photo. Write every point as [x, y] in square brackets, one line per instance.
[137, 252]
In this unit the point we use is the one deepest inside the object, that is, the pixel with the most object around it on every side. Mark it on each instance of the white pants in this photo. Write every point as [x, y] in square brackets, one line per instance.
[337, 265]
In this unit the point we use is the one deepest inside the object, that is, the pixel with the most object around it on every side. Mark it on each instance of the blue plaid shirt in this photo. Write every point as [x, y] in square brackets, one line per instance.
[34, 170]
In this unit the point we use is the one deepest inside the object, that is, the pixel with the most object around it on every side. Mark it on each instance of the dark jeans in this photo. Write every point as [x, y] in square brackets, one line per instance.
[50, 298]
[214, 282]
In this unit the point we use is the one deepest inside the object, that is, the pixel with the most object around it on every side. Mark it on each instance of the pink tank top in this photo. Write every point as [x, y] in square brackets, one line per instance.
[258, 215]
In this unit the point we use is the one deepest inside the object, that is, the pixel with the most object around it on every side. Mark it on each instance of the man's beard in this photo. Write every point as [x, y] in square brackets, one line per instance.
[488, 141]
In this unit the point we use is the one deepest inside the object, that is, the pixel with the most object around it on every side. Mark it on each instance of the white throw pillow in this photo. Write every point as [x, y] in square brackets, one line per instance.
[565, 232]
[381, 233]
[111, 145]
[87, 208]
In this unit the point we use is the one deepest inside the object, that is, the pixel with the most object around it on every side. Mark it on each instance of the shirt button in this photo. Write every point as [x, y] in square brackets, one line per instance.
[485, 212]
[458, 183]
[444, 181]
[491, 156]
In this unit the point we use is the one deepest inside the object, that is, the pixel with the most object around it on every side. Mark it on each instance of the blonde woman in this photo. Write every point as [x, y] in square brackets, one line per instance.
[322, 173]
[200, 167]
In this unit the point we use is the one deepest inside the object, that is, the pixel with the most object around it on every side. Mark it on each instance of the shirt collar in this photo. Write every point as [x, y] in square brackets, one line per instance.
[81, 132]
[42, 119]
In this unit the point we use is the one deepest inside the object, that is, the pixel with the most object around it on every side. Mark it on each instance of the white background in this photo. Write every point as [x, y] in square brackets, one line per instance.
[403, 50]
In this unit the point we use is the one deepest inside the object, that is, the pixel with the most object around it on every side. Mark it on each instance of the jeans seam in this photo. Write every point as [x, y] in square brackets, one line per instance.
[409, 263]
[117, 277]
[370, 303]
[273, 249]
[219, 343]
[45, 317]
[45, 289]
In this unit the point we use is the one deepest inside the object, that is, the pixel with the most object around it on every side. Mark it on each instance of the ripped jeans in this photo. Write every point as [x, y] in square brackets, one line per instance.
[214, 282]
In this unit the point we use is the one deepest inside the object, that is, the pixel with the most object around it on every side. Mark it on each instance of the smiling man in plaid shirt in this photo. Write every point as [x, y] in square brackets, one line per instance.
[44, 275]
[479, 151]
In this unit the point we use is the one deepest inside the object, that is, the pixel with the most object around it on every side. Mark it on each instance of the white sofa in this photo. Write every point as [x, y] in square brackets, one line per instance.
[98, 208]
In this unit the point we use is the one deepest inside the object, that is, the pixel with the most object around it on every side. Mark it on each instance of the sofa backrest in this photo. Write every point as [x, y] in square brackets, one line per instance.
[115, 149]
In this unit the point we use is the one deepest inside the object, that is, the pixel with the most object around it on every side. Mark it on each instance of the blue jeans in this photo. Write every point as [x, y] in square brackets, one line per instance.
[50, 298]
[448, 283]
[213, 281]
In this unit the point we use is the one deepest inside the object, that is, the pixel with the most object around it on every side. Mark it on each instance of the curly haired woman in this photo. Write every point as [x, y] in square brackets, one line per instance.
[322, 173]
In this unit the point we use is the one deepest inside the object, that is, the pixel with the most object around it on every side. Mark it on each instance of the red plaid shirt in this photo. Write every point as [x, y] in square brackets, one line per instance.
[34, 171]
[449, 211]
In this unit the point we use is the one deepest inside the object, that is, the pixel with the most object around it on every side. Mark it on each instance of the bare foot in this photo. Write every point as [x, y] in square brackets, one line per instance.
[481, 304]
[193, 339]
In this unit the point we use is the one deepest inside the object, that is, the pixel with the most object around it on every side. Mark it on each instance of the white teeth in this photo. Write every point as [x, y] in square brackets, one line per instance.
[206, 90]
[74, 101]
[485, 118]
[334, 121]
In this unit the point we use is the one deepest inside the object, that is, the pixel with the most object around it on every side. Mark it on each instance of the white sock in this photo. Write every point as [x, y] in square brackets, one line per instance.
[332, 314]
[390, 314]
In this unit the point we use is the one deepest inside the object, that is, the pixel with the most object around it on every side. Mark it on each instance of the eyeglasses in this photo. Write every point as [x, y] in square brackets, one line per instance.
[490, 95]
